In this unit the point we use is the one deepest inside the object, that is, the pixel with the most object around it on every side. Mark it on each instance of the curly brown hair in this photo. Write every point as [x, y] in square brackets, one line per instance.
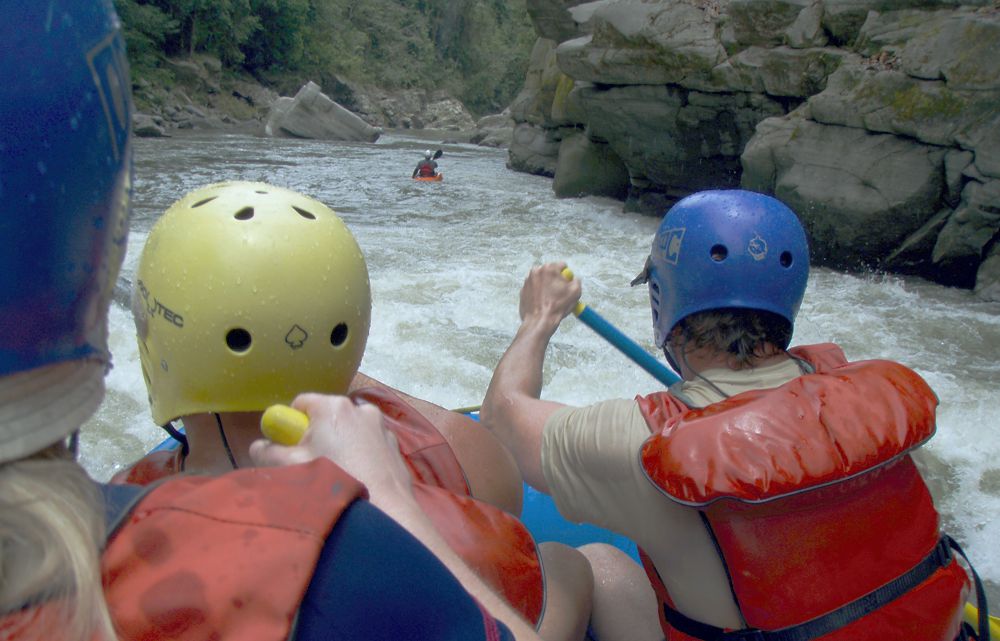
[747, 335]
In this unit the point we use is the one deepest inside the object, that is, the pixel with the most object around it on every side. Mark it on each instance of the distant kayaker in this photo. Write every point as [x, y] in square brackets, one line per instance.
[770, 492]
[427, 167]
[264, 554]
[281, 304]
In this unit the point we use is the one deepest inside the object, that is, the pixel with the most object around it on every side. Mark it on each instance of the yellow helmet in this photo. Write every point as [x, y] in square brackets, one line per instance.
[246, 295]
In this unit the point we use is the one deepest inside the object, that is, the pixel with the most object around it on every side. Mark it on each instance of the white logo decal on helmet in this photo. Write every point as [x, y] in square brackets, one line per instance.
[670, 245]
[757, 247]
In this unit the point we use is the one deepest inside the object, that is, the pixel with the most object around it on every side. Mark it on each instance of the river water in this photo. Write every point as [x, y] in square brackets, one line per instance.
[447, 260]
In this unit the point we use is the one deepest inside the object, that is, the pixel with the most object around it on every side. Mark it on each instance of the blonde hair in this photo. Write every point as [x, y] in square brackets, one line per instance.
[51, 531]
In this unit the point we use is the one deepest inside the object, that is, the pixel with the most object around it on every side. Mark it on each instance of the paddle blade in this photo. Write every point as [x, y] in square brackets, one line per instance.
[438, 153]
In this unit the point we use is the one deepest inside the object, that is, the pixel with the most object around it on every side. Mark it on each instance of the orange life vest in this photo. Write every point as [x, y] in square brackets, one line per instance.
[226, 558]
[494, 543]
[814, 504]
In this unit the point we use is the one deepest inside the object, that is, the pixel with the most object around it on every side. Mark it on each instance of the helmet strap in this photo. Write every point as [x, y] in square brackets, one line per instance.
[178, 436]
[670, 359]
[225, 441]
[687, 365]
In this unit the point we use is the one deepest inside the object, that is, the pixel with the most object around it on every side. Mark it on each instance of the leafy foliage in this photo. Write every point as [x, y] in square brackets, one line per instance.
[476, 49]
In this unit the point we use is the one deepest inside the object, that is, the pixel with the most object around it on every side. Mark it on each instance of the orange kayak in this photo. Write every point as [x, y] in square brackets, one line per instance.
[430, 179]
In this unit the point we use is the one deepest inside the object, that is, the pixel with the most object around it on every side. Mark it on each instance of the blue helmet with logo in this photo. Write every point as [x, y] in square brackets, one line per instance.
[65, 168]
[65, 185]
[726, 248]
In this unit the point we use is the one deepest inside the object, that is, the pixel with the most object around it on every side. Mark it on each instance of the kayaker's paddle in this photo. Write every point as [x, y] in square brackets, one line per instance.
[623, 343]
[437, 154]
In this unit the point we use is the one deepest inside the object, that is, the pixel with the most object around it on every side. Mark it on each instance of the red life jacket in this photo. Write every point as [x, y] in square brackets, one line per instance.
[425, 168]
[494, 543]
[813, 503]
[187, 561]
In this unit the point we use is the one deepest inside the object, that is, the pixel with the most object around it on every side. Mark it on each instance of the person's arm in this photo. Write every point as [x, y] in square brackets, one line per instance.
[353, 437]
[512, 408]
[489, 468]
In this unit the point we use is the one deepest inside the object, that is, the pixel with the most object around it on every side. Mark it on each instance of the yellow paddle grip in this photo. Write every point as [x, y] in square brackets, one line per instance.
[568, 275]
[283, 425]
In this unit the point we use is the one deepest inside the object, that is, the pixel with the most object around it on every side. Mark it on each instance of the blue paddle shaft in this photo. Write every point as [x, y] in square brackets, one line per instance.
[627, 346]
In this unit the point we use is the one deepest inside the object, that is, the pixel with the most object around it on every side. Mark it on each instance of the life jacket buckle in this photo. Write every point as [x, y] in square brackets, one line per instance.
[942, 552]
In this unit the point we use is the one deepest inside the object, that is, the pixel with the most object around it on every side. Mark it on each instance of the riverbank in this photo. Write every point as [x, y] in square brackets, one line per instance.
[197, 94]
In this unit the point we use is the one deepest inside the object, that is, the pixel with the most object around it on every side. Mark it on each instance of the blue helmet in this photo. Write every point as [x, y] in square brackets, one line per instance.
[731, 248]
[65, 179]
[65, 185]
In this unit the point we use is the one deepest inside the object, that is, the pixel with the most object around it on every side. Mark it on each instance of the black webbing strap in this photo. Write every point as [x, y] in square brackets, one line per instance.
[939, 557]
[984, 609]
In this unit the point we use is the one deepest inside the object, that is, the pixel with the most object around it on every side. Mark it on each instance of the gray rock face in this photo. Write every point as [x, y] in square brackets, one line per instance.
[884, 187]
[988, 276]
[553, 19]
[312, 114]
[495, 130]
[416, 109]
[586, 168]
[878, 121]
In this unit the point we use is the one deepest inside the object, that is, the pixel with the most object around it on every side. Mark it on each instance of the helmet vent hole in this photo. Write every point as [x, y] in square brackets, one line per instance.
[339, 335]
[238, 340]
[785, 259]
[304, 213]
[203, 202]
[654, 286]
[244, 214]
[719, 253]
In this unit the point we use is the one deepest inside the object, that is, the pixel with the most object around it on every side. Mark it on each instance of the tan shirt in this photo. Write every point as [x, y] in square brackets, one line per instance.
[590, 459]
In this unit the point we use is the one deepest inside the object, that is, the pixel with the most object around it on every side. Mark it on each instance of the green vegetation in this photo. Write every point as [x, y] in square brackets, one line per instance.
[475, 49]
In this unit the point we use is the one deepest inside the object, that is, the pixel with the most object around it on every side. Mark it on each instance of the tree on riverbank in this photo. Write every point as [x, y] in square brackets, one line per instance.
[477, 50]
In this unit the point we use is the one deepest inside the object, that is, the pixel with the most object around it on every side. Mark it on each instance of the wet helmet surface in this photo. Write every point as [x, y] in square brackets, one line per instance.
[726, 248]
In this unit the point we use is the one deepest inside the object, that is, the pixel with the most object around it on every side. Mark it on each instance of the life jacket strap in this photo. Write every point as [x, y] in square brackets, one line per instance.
[938, 557]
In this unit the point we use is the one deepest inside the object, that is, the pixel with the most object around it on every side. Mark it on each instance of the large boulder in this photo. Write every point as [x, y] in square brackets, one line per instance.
[146, 126]
[312, 114]
[534, 150]
[970, 229]
[988, 276]
[494, 130]
[860, 195]
[678, 139]
[554, 19]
